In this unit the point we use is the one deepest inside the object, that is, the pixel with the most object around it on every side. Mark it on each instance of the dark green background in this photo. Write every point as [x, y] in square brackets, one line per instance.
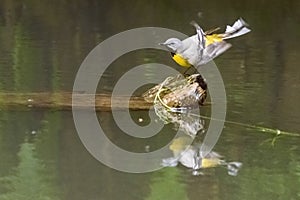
[42, 44]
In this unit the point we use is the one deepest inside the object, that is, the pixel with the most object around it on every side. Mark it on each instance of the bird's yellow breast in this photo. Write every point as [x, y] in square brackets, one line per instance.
[180, 60]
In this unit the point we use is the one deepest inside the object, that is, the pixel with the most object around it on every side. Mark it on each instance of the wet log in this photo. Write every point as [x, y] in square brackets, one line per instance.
[63, 101]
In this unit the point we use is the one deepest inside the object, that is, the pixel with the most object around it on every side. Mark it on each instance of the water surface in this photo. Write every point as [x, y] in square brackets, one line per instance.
[42, 45]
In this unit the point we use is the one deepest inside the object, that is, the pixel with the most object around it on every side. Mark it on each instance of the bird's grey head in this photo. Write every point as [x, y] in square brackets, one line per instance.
[172, 44]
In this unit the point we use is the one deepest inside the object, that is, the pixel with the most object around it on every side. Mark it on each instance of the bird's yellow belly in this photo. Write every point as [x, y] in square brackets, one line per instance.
[181, 61]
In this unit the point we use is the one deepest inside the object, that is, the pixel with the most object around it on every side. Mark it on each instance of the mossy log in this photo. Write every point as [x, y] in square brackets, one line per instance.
[63, 101]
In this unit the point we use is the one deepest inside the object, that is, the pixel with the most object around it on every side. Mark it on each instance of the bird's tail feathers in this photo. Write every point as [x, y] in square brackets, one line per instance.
[237, 29]
[233, 168]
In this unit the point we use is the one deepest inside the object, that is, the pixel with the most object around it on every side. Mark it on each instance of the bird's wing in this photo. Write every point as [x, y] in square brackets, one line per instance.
[213, 50]
[217, 48]
[200, 35]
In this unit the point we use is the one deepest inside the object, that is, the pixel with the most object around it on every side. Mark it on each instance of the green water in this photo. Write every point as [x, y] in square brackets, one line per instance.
[42, 45]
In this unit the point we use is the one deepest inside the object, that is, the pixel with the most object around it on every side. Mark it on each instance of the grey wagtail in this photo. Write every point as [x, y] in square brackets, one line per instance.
[203, 47]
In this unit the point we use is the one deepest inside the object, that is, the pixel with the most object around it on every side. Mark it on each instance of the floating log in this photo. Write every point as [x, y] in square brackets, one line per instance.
[63, 101]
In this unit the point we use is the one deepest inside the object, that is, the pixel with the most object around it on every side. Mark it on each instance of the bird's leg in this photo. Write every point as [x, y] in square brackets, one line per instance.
[186, 74]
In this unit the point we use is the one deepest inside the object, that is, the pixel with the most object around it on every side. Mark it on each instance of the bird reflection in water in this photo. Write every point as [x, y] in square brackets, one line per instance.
[186, 151]
[173, 101]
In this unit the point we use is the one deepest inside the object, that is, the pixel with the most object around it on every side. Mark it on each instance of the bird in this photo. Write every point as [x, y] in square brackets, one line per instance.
[201, 48]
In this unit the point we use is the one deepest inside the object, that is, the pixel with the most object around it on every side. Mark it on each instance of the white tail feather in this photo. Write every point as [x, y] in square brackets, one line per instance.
[237, 29]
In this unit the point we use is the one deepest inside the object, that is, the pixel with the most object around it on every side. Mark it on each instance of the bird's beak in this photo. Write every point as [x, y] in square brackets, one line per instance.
[162, 44]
